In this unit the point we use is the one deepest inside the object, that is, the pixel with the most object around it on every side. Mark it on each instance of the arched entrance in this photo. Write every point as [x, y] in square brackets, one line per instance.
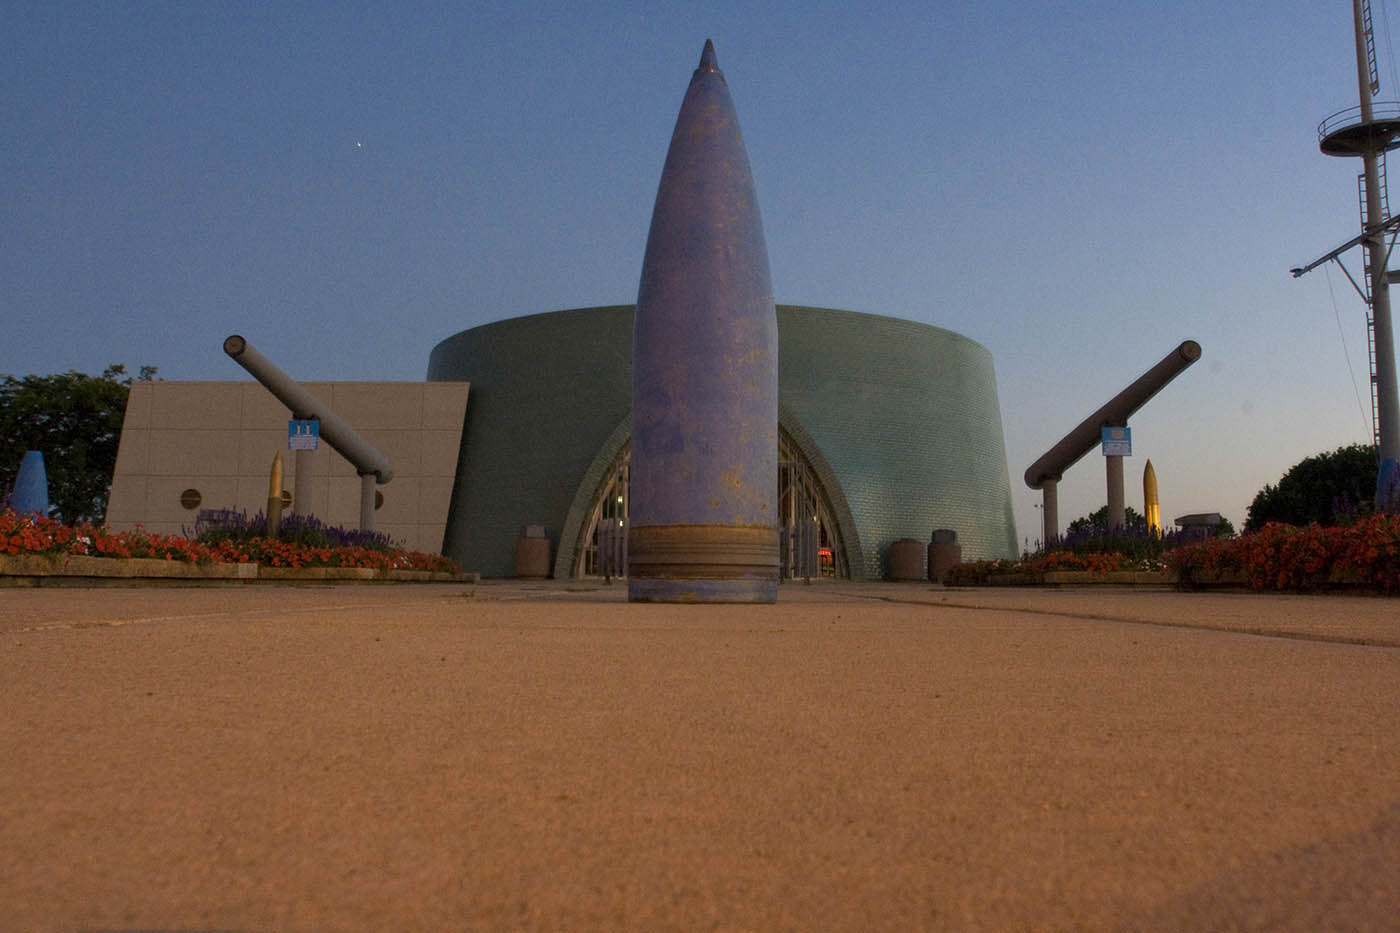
[810, 539]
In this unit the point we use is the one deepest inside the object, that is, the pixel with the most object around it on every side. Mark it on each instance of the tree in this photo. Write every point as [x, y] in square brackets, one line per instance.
[1323, 488]
[75, 420]
[1096, 523]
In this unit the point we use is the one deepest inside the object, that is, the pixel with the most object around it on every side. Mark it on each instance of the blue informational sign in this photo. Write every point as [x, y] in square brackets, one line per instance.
[1117, 442]
[303, 435]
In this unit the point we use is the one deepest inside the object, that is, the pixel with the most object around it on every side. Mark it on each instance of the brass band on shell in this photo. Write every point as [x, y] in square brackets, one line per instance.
[702, 552]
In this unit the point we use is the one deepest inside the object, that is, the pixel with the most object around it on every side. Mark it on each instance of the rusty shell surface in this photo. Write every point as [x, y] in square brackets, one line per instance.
[705, 371]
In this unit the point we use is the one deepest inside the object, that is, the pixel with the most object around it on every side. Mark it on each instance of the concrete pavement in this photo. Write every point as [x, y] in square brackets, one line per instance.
[547, 756]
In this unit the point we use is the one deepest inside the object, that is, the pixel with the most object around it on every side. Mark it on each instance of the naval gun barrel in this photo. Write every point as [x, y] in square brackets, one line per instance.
[1053, 464]
[364, 456]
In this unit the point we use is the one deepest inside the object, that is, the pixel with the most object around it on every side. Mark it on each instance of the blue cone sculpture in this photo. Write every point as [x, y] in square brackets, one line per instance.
[704, 474]
[31, 495]
[1388, 486]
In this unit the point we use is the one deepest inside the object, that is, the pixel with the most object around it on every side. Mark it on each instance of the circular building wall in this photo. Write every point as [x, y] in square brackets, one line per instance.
[897, 423]
[907, 416]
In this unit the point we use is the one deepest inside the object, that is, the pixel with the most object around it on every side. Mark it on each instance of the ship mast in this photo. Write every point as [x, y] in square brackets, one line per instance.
[1369, 131]
[1385, 406]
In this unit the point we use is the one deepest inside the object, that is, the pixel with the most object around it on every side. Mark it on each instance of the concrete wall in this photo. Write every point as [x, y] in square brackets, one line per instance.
[220, 438]
[906, 415]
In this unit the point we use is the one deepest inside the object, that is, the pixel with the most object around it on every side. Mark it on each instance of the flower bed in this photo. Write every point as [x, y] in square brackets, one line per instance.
[28, 534]
[1278, 557]
[1056, 564]
[1285, 557]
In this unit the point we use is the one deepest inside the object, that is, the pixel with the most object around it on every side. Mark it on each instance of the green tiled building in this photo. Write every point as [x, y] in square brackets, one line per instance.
[888, 429]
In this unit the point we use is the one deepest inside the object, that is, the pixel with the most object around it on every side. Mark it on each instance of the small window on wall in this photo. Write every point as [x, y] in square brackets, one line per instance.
[191, 499]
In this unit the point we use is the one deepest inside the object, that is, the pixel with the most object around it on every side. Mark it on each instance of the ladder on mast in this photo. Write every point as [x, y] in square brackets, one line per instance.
[1370, 46]
[1366, 267]
[1384, 201]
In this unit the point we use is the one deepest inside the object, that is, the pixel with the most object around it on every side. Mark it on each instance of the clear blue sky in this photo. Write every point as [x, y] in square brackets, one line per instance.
[1078, 186]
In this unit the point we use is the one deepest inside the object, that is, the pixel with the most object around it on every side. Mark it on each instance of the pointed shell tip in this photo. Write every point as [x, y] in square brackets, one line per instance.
[708, 61]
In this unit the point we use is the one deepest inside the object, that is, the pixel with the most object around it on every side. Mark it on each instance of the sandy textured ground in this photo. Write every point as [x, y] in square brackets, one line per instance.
[548, 757]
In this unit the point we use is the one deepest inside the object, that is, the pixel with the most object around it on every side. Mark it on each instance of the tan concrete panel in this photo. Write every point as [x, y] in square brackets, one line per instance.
[126, 504]
[440, 451]
[261, 409]
[195, 405]
[342, 505]
[403, 448]
[168, 529]
[340, 469]
[372, 405]
[256, 448]
[434, 497]
[406, 535]
[138, 405]
[203, 434]
[193, 452]
[163, 498]
[400, 501]
[133, 449]
[427, 538]
[251, 494]
[444, 405]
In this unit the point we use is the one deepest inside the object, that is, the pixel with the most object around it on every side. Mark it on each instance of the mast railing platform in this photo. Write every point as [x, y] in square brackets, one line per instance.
[1345, 133]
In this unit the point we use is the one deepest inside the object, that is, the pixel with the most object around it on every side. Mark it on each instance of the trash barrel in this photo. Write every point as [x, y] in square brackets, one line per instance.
[906, 559]
[943, 552]
[532, 553]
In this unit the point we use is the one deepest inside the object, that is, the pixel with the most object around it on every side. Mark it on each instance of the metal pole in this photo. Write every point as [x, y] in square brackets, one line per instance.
[1050, 505]
[1363, 68]
[366, 501]
[301, 483]
[334, 431]
[1117, 511]
[1116, 411]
